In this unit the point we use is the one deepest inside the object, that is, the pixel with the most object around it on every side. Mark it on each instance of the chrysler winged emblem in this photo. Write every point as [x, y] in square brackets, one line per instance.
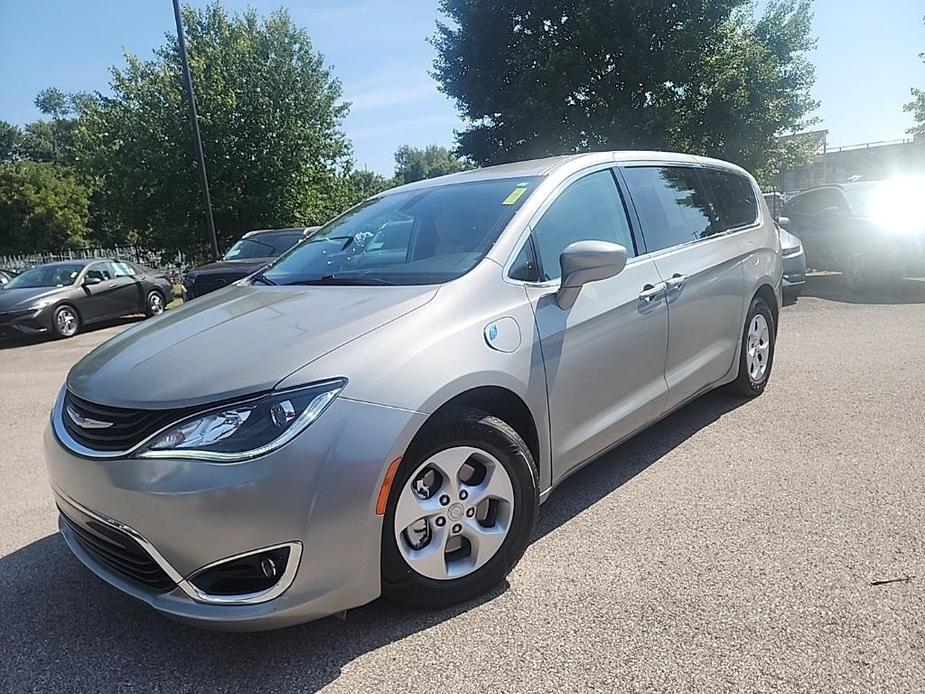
[86, 422]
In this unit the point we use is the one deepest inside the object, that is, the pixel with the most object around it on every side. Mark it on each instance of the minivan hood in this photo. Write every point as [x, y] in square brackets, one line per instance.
[233, 342]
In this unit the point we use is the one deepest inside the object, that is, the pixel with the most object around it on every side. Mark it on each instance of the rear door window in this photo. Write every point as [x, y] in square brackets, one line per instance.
[733, 197]
[671, 203]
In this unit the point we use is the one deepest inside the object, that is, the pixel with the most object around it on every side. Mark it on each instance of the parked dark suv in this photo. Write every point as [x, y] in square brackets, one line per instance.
[865, 230]
[250, 253]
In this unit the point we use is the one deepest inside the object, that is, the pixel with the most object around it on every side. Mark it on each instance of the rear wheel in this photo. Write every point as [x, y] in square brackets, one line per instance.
[461, 511]
[757, 353]
[154, 304]
[65, 321]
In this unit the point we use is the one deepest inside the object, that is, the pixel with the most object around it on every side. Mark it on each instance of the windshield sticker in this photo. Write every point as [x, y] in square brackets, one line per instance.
[515, 194]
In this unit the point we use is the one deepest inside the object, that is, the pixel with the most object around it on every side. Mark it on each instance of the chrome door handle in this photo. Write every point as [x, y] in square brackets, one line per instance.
[650, 291]
[675, 282]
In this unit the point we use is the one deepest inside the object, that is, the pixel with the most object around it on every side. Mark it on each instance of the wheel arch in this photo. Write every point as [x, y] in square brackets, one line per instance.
[504, 404]
[766, 292]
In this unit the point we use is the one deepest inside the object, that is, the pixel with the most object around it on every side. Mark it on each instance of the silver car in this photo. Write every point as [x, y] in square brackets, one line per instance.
[383, 410]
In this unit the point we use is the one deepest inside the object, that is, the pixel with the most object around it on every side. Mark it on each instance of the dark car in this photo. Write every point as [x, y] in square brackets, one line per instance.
[791, 250]
[251, 252]
[62, 297]
[865, 230]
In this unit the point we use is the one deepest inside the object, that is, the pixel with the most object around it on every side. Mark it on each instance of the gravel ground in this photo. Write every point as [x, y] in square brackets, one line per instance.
[729, 548]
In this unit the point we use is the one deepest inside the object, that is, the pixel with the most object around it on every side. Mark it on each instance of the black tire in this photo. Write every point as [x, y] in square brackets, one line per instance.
[855, 273]
[64, 327]
[151, 305]
[745, 385]
[462, 426]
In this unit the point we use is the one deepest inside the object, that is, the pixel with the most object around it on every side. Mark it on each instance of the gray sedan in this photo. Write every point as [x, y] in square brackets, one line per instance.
[384, 408]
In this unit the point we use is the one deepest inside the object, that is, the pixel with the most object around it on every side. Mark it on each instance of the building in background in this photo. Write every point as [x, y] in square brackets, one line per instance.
[870, 161]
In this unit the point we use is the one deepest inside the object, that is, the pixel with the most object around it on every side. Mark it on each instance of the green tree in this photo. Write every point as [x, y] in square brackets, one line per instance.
[270, 114]
[53, 140]
[10, 136]
[42, 207]
[917, 108]
[546, 77]
[413, 164]
[364, 184]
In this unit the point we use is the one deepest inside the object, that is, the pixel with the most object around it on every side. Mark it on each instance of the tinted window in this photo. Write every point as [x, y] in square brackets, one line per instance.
[589, 209]
[815, 201]
[671, 205]
[101, 271]
[263, 246]
[734, 198]
[420, 236]
[123, 269]
[525, 267]
[46, 276]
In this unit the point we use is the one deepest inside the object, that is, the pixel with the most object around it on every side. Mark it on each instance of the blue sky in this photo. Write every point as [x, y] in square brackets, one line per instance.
[866, 61]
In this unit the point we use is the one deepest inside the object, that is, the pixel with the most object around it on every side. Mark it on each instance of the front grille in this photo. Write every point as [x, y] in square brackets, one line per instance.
[115, 549]
[128, 427]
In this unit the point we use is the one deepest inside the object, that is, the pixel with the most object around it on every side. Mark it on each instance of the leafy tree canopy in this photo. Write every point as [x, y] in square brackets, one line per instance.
[9, 141]
[917, 108]
[270, 113]
[413, 164]
[42, 206]
[548, 77]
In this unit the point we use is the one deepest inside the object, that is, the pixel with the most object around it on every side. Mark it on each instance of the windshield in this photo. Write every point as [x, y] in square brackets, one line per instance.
[266, 246]
[426, 236]
[45, 276]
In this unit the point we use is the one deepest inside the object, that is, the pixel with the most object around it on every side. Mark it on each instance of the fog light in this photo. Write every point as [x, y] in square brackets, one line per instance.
[254, 573]
[267, 566]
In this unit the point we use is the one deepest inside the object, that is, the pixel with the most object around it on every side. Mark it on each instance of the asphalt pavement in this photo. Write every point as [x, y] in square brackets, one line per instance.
[732, 547]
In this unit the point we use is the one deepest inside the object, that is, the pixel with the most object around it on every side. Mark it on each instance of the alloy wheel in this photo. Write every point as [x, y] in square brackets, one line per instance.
[454, 513]
[758, 348]
[155, 304]
[66, 321]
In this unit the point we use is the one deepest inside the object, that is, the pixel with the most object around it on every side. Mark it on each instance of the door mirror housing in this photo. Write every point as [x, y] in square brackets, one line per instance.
[783, 221]
[90, 281]
[587, 261]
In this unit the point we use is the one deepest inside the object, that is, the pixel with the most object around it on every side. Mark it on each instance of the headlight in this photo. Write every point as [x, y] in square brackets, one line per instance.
[793, 250]
[244, 430]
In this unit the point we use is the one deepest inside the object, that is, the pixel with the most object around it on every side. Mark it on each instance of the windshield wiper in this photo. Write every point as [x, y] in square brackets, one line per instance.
[264, 280]
[332, 280]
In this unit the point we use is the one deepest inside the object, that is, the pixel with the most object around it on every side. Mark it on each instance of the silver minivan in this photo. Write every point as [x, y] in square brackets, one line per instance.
[383, 410]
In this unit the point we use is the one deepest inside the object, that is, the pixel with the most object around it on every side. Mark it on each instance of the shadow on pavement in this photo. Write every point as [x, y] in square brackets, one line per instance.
[13, 342]
[899, 291]
[65, 629]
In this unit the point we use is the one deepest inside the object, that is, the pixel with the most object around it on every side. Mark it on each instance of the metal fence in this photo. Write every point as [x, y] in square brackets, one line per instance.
[174, 263]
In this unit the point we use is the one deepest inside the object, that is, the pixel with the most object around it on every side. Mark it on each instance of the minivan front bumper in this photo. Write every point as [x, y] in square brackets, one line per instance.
[316, 495]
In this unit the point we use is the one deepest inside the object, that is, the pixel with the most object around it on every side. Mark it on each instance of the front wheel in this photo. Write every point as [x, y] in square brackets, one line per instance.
[154, 304]
[460, 513]
[757, 352]
[65, 321]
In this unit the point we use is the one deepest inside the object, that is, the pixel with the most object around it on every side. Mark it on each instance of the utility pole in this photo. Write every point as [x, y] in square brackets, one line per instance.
[197, 138]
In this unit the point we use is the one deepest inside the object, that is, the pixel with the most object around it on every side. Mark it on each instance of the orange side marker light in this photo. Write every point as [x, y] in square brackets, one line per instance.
[383, 499]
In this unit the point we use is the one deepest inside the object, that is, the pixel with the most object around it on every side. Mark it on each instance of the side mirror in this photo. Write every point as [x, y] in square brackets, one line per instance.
[587, 261]
[829, 212]
[89, 281]
[783, 221]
